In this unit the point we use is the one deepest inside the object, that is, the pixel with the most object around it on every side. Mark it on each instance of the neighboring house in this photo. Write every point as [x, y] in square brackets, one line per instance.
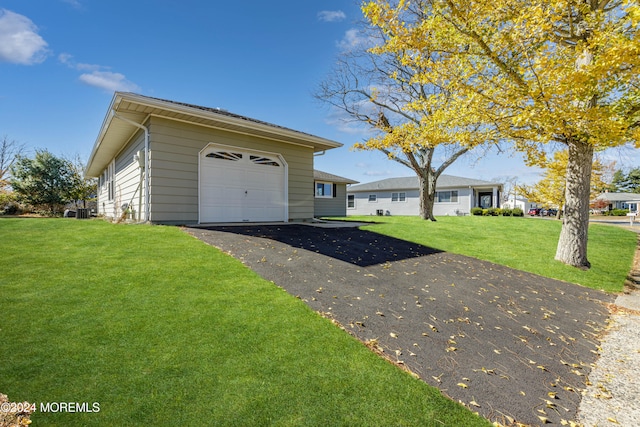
[520, 202]
[629, 201]
[330, 194]
[203, 165]
[400, 196]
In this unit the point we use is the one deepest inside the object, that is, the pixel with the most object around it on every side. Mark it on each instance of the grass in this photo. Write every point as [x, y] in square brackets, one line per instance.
[527, 244]
[160, 329]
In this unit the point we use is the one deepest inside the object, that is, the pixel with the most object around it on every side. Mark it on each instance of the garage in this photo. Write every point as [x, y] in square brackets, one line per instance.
[239, 185]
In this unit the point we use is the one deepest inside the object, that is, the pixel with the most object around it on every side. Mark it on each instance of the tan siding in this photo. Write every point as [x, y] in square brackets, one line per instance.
[170, 202]
[128, 183]
[105, 207]
[175, 149]
[301, 199]
[129, 179]
[334, 206]
[174, 189]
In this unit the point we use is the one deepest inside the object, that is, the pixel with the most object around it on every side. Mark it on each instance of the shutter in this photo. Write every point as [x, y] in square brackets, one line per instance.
[334, 189]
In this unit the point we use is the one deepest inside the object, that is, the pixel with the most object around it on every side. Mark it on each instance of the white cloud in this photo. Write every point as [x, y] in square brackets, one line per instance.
[331, 15]
[20, 42]
[343, 122]
[352, 39]
[625, 156]
[109, 81]
[67, 59]
[378, 173]
[74, 3]
[99, 76]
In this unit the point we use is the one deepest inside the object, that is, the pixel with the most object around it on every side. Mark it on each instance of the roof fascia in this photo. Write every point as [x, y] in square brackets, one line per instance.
[103, 130]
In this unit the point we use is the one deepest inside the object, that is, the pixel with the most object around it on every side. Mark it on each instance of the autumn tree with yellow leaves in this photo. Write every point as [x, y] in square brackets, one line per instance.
[550, 191]
[540, 73]
[406, 112]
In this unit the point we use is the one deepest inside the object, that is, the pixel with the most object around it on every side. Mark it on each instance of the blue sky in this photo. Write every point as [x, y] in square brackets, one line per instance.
[61, 60]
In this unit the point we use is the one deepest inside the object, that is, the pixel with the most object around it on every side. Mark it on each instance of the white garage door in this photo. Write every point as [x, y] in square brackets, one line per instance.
[241, 186]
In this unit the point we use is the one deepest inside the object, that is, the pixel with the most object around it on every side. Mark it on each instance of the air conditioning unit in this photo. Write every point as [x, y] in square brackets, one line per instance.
[82, 214]
[380, 212]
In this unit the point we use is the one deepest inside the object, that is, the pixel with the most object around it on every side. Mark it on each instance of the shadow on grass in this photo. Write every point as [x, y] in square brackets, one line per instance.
[358, 247]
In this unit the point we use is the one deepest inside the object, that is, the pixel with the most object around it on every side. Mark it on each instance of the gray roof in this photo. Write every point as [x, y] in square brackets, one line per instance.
[325, 176]
[619, 197]
[128, 111]
[412, 183]
[222, 112]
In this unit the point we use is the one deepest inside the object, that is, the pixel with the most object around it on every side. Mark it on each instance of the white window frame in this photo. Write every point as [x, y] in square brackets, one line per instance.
[453, 196]
[351, 198]
[373, 198]
[399, 197]
[324, 194]
[111, 181]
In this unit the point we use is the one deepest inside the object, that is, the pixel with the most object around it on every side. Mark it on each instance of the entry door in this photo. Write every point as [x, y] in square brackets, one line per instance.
[486, 200]
[241, 186]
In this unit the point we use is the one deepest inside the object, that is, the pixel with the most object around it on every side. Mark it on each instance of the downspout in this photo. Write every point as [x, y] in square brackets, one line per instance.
[146, 161]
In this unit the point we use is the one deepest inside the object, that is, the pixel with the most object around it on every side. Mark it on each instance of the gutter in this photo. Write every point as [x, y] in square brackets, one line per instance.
[146, 160]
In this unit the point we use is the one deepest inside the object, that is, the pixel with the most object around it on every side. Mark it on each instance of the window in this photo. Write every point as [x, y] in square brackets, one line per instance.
[110, 181]
[259, 160]
[398, 197]
[373, 198]
[224, 155]
[446, 196]
[351, 201]
[324, 189]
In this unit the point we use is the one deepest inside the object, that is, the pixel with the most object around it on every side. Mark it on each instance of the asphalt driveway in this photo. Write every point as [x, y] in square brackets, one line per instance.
[510, 345]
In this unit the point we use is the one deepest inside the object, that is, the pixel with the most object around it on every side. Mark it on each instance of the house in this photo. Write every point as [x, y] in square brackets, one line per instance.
[401, 196]
[330, 194]
[629, 201]
[521, 203]
[174, 163]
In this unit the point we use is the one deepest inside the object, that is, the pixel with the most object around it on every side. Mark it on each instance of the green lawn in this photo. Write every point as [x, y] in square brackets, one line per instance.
[160, 329]
[527, 244]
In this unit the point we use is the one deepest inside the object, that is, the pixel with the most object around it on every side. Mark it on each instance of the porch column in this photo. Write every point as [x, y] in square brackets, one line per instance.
[472, 198]
[495, 203]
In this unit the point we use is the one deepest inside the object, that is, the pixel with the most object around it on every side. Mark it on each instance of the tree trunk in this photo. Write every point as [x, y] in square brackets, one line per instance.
[572, 245]
[427, 195]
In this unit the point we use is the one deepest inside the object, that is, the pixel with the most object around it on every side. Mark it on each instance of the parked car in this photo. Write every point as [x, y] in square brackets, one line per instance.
[534, 211]
[551, 212]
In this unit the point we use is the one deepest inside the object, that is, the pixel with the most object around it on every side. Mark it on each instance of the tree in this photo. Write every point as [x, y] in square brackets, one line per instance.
[45, 182]
[9, 151]
[617, 181]
[404, 111]
[563, 72]
[550, 191]
[626, 182]
[600, 204]
[84, 189]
